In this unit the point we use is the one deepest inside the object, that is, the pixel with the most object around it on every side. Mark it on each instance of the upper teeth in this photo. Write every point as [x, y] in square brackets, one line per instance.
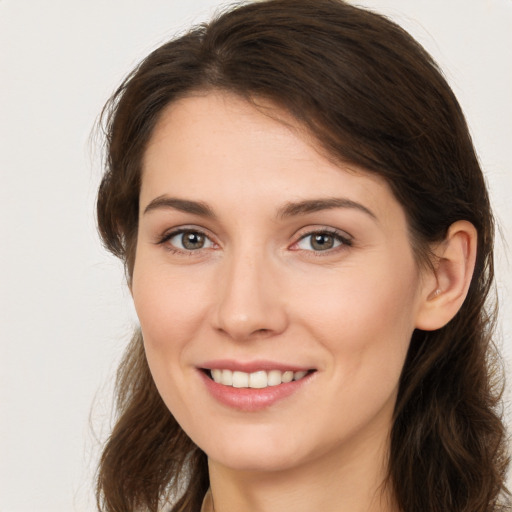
[258, 380]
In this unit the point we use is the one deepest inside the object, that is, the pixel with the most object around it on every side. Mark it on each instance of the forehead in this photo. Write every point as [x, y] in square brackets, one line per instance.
[218, 146]
[201, 120]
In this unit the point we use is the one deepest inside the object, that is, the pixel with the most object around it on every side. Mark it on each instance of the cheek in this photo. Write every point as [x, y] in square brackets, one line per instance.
[169, 311]
[170, 315]
[359, 298]
[365, 326]
[168, 305]
[364, 318]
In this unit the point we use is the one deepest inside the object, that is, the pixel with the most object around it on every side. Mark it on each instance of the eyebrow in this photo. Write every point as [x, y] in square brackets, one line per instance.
[183, 205]
[315, 205]
[290, 209]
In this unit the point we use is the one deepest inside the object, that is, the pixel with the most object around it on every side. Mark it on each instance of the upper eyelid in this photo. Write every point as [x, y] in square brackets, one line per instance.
[172, 232]
[328, 230]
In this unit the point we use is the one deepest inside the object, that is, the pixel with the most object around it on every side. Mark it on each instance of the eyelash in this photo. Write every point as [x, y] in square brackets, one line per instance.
[344, 241]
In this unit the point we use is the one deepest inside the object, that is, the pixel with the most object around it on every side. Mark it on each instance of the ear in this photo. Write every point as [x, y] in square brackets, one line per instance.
[446, 287]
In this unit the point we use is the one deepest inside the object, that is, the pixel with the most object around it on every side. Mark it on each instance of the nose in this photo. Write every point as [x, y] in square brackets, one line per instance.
[250, 302]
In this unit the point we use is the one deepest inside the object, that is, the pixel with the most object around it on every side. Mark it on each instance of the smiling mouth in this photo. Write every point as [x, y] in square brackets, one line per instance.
[256, 380]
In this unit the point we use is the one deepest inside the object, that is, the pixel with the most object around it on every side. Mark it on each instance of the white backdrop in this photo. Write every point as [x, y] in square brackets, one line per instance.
[64, 311]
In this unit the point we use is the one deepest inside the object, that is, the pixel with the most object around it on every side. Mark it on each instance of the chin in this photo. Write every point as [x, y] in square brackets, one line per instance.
[255, 460]
[255, 451]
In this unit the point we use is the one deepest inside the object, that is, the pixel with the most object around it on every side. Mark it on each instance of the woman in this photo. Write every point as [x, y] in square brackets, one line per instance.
[308, 241]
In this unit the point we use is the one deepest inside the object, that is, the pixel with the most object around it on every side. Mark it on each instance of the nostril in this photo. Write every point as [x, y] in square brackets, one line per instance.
[261, 331]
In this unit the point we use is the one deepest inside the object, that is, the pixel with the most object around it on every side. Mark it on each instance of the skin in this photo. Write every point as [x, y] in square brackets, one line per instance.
[258, 289]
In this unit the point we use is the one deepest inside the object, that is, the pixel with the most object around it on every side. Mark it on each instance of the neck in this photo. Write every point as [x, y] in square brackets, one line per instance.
[351, 481]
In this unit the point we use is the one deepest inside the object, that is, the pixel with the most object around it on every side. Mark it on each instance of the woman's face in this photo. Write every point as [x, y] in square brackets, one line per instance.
[259, 260]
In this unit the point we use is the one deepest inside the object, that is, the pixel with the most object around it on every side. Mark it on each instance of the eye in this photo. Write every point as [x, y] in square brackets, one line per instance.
[322, 241]
[188, 240]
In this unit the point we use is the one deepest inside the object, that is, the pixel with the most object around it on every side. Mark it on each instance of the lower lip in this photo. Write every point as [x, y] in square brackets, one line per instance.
[250, 399]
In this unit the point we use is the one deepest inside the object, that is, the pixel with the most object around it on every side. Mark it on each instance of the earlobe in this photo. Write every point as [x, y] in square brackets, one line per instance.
[445, 290]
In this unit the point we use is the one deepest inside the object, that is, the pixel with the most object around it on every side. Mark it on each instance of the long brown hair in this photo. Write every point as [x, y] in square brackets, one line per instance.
[370, 95]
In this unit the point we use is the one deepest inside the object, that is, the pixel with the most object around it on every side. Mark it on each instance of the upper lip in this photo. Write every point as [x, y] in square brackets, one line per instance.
[252, 366]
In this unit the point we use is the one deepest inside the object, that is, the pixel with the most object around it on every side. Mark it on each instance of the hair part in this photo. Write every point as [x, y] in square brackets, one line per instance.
[370, 95]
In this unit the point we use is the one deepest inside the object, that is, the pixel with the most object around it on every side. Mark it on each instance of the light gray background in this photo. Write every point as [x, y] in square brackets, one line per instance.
[64, 310]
